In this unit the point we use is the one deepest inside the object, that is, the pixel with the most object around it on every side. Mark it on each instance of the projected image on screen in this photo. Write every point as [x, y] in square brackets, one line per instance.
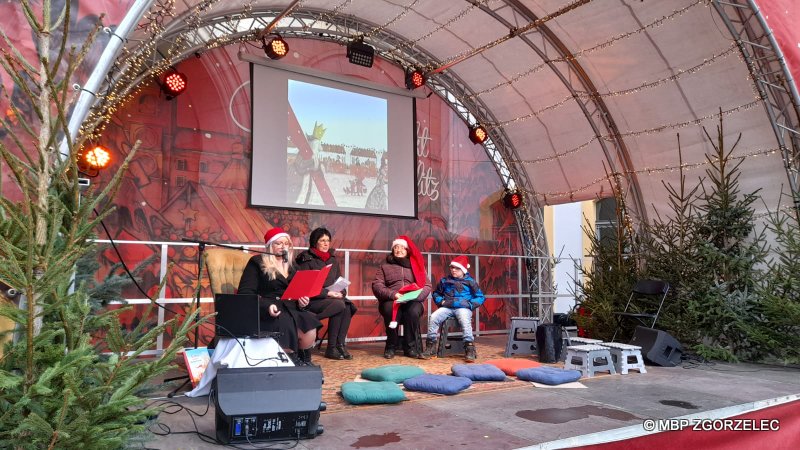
[331, 144]
[328, 151]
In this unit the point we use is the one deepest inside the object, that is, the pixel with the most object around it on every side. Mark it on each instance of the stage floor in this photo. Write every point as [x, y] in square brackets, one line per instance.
[513, 416]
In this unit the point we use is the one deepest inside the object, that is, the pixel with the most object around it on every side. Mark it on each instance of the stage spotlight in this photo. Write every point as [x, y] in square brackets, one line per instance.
[478, 134]
[96, 158]
[174, 84]
[275, 48]
[512, 200]
[415, 79]
[360, 54]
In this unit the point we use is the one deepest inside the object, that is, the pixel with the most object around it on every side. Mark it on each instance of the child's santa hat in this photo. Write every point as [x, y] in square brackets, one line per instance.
[461, 262]
[275, 233]
[417, 268]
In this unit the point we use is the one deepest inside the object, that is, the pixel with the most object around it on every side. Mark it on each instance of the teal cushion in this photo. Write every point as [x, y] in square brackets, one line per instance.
[549, 375]
[372, 392]
[395, 373]
[437, 384]
[479, 372]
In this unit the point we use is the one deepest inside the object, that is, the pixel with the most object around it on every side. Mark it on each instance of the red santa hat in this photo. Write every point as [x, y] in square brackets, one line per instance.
[461, 262]
[274, 234]
[417, 261]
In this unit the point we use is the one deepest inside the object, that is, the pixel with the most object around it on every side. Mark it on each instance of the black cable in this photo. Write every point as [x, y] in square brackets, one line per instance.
[133, 278]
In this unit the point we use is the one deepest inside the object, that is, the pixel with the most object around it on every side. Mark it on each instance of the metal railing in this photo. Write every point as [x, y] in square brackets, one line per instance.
[516, 295]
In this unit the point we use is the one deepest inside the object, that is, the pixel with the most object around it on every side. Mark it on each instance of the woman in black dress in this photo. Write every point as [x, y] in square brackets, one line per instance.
[268, 276]
[331, 305]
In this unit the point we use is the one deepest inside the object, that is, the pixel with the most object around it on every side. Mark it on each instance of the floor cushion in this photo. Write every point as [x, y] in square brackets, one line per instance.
[372, 392]
[549, 375]
[437, 384]
[396, 373]
[479, 372]
[510, 366]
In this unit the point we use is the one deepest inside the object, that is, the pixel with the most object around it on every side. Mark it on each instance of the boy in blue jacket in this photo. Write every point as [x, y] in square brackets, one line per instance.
[456, 295]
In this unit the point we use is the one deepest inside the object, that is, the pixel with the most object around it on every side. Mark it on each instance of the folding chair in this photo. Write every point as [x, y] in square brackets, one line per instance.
[644, 304]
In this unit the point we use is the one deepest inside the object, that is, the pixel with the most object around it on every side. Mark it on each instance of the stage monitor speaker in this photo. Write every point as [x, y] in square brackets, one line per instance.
[268, 403]
[658, 346]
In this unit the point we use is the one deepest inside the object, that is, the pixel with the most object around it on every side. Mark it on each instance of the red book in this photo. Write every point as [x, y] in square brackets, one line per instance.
[306, 283]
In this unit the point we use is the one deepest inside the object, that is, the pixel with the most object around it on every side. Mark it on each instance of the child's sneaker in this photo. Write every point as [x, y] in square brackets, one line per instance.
[431, 349]
[470, 355]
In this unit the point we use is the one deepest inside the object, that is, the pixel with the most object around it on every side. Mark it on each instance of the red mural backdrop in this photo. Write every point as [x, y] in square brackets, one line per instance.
[191, 175]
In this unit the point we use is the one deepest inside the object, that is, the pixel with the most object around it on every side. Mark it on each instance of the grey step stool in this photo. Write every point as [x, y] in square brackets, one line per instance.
[584, 341]
[449, 344]
[589, 359]
[522, 336]
[621, 354]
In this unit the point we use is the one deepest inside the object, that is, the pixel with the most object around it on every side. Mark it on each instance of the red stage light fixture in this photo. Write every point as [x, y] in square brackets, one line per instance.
[415, 79]
[512, 200]
[96, 158]
[478, 134]
[174, 84]
[275, 48]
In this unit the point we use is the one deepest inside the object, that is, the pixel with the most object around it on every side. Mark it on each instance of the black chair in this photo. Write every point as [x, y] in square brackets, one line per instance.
[644, 304]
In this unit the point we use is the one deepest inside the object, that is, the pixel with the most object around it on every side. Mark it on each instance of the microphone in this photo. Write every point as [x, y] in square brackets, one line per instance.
[285, 256]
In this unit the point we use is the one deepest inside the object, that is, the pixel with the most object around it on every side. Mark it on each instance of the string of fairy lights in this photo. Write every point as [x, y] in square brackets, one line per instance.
[455, 18]
[599, 46]
[139, 60]
[583, 95]
[646, 170]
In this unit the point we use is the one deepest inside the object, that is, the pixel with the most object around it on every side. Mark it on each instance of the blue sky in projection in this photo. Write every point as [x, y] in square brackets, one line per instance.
[349, 118]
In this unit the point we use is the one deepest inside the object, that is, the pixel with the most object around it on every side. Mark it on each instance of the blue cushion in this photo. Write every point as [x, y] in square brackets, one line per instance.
[437, 384]
[479, 372]
[549, 375]
[372, 392]
[396, 373]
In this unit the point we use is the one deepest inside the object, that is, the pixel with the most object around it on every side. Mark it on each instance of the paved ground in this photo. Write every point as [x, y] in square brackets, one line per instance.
[516, 417]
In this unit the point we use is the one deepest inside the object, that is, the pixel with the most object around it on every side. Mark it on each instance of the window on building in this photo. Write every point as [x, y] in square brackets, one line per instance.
[203, 166]
[182, 164]
[606, 219]
[180, 181]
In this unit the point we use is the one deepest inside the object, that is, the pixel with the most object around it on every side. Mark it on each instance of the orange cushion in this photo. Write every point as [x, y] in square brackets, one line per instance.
[510, 366]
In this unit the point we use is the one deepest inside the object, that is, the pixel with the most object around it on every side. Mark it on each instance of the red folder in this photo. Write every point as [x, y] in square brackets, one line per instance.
[306, 283]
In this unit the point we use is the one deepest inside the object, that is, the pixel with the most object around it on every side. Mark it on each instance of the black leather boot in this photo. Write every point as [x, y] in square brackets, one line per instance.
[343, 350]
[333, 353]
[304, 357]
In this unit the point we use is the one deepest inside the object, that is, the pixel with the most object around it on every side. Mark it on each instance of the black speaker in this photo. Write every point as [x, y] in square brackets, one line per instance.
[548, 342]
[658, 347]
[268, 403]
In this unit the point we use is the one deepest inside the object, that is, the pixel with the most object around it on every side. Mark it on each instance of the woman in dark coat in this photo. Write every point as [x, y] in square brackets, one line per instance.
[403, 272]
[268, 276]
[331, 305]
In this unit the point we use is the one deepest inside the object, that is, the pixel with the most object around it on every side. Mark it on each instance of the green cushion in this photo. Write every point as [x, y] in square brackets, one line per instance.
[372, 392]
[395, 373]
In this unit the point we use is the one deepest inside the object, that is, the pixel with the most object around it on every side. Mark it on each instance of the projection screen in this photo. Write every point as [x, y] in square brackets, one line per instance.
[331, 144]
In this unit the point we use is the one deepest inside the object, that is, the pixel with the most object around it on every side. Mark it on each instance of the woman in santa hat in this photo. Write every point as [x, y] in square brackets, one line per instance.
[268, 276]
[401, 285]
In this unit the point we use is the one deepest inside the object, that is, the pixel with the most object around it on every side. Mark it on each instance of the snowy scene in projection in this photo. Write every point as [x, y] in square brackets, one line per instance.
[336, 148]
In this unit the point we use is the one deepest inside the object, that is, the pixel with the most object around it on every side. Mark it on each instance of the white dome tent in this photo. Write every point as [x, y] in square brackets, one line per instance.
[573, 94]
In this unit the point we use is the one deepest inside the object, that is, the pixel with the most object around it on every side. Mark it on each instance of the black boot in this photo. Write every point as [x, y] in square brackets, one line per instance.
[431, 349]
[343, 350]
[304, 357]
[332, 352]
[470, 355]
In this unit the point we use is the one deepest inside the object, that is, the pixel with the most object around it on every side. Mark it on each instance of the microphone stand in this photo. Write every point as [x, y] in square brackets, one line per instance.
[196, 300]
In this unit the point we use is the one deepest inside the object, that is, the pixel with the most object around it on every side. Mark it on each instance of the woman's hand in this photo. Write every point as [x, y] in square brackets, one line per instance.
[397, 296]
[274, 311]
[302, 302]
[335, 295]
